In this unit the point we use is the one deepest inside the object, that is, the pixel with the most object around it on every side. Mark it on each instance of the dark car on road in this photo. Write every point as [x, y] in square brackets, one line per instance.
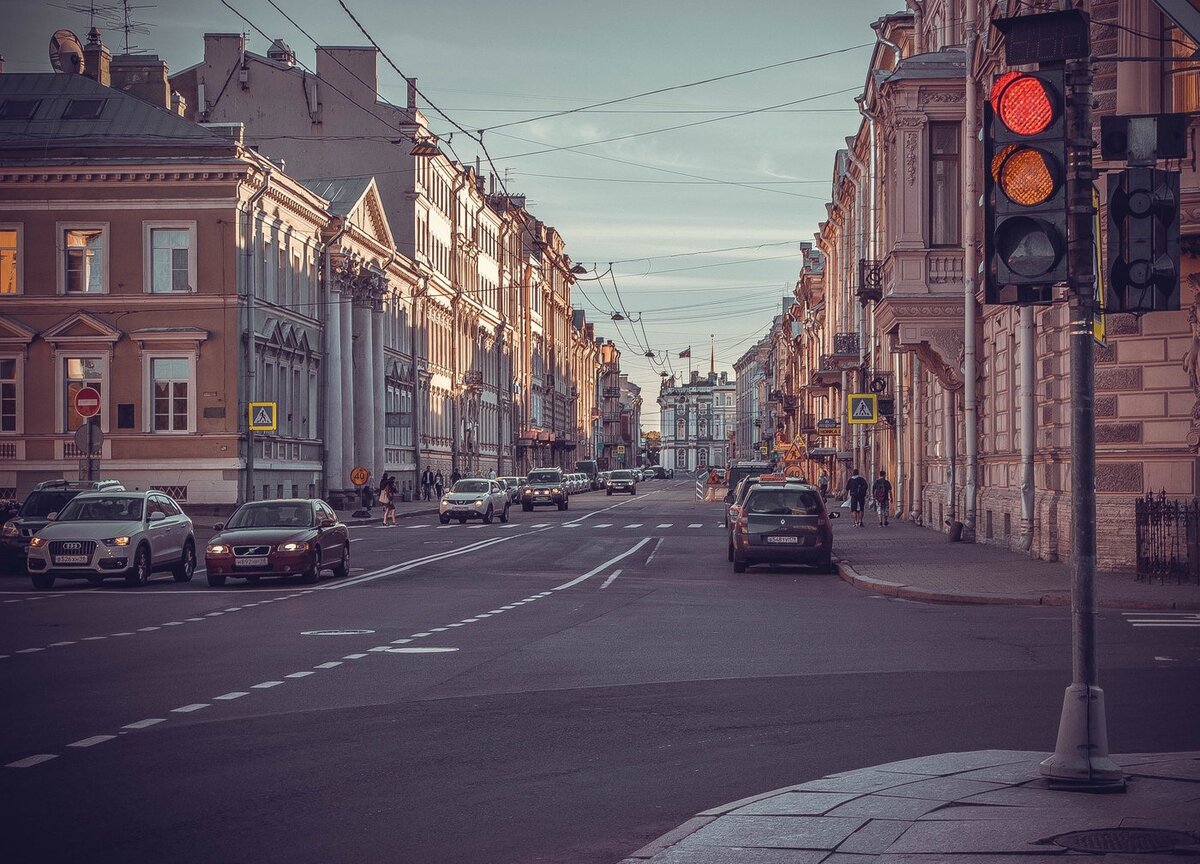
[284, 537]
[545, 486]
[622, 480]
[783, 523]
[49, 496]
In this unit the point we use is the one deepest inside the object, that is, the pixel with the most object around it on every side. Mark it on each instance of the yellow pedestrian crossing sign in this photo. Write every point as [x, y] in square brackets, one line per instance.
[862, 408]
[263, 416]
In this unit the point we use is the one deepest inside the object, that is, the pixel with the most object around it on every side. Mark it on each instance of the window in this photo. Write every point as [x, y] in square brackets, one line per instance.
[8, 395]
[10, 262]
[83, 260]
[170, 394]
[84, 109]
[18, 109]
[944, 189]
[80, 372]
[171, 264]
[1180, 81]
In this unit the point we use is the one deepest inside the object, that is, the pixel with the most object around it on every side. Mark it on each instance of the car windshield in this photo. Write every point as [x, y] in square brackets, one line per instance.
[512, 481]
[463, 487]
[745, 486]
[41, 504]
[622, 475]
[784, 502]
[106, 509]
[545, 477]
[272, 515]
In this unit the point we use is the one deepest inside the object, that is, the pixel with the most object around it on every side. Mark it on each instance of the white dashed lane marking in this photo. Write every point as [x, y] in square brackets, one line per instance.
[266, 685]
[30, 761]
[696, 525]
[188, 709]
[94, 740]
[229, 697]
[145, 724]
[303, 674]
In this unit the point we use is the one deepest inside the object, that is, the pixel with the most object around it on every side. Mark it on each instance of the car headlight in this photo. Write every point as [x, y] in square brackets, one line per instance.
[478, 502]
[293, 547]
[216, 549]
[11, 529]
[116, 541]
[556, 491]
[37, 542]
[528, 491]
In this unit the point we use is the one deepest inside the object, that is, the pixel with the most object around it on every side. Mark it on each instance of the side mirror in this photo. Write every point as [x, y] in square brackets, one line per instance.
[220, 526]
[835, 514]
[50, 517]
[728, 497]
[157, 516]
[327, 522]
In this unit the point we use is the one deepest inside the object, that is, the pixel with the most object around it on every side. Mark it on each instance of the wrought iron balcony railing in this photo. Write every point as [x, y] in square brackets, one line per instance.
[870, 281]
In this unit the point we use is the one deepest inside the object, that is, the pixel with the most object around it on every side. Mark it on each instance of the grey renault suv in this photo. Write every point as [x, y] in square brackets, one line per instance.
[99, 535]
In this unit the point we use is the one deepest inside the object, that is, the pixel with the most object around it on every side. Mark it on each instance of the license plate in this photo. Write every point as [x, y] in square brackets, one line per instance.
[252, 562]
[70, 559]
[783, 539]
[461, 510]
[541, 498]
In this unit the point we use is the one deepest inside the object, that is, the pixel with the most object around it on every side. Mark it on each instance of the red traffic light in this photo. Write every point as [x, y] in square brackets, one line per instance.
[1024, 103]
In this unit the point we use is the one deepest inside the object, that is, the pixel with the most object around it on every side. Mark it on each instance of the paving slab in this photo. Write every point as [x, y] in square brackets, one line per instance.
[796, 804]
[776, 832]
[875, 837]
[885, 807]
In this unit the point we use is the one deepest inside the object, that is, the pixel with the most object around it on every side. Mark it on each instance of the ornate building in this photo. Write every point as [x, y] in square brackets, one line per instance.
[697, 421]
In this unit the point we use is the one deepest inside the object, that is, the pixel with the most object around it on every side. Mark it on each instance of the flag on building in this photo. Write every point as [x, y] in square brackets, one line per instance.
[686, 352]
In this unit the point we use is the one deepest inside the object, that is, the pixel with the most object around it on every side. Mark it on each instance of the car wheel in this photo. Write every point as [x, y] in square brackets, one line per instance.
[342, 569]
[444, 519]
[825, 565]
[609, 493]
[312, 575]
[217, 580]
[139, 574]
[504, 515]
[527, 508]
[487, 517]
[739, 566]
[730, 551]
[42, 581]
[186, 568]
[462, 520]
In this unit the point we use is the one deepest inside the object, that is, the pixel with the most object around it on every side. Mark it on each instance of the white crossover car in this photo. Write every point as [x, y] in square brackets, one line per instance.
[474, 499]
[99, 535]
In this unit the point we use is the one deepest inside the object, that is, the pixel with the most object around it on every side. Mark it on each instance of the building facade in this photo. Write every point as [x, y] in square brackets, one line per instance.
[697, 421]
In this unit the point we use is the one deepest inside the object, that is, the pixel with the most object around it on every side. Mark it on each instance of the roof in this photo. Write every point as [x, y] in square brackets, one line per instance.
[946, 63]
[342, 193]
[122, 119]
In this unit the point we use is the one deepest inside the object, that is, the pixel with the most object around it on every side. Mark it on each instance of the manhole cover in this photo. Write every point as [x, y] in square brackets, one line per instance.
[336, 632]
[1126, 840]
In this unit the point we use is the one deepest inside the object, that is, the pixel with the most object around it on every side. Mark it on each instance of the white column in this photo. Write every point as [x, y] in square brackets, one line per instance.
[379, 395]
[364, 397]
[345, 364]
[332, 371]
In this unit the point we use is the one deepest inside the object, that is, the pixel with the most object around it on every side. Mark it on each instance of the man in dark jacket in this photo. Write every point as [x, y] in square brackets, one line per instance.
[856, 491]
[881, 491]
[426, 483]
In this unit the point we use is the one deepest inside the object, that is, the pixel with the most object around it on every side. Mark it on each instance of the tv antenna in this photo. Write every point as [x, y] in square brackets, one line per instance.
[66, 53]
[121, 17]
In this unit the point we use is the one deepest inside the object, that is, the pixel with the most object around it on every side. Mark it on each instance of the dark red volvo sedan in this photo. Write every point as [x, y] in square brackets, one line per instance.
[286, 537]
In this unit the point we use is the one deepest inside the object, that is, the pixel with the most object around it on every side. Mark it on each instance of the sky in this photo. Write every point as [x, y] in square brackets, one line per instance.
[654, 204]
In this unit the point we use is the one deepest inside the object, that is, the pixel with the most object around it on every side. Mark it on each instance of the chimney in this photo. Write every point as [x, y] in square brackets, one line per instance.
[412, 94]
[178, 104]
[97, 60]
[143, 76]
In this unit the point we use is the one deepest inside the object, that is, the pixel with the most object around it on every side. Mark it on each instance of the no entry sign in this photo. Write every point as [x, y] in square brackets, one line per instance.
[87, 402]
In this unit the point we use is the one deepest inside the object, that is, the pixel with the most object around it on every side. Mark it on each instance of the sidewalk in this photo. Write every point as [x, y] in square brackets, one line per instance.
[206, 515]
[984, 806]
[904, 560]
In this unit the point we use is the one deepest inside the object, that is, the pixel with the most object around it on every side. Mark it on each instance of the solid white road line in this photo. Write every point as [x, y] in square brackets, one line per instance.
[603, 566]
[188, 709]
[93, 741]
[143, 724]
[653, 551]
[610, 579]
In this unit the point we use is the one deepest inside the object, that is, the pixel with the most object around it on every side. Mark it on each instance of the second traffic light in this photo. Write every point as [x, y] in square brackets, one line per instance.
[1025, 200]
[1143, 240]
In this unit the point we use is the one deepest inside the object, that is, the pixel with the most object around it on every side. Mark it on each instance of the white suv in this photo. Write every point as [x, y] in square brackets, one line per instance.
[103, 534]
[474, 499]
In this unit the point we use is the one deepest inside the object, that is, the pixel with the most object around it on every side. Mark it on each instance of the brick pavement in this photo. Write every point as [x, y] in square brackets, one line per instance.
[905, 560]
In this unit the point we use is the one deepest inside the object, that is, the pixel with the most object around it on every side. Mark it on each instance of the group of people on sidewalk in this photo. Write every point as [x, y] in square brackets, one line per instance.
[856, 495]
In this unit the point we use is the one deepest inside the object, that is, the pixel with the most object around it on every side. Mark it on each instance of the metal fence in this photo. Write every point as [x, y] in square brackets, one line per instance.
[1168, 538]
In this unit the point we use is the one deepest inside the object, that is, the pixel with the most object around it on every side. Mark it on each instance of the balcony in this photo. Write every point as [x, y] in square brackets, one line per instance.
[806, 423]
[870, 281]
[845, 345]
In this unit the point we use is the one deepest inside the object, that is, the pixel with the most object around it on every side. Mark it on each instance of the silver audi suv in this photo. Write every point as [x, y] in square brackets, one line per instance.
[99, 535]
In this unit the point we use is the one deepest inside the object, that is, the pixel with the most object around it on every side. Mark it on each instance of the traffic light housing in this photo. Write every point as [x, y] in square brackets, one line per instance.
[1025, 180]
[1143, 241]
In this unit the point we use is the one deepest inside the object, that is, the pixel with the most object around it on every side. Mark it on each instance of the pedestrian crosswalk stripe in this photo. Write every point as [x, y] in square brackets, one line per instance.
[1163, 619]
[634, 525]
[664, 525]
[695, 525]
[603, 525]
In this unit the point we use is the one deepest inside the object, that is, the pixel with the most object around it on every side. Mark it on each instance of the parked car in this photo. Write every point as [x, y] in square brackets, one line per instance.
[98, 535]
[582, 482]
[49, 496]
[513, 487]
[733, 505]
[591, 470]
[658, 472]
[281, 537]
[622, 480]
[783, 523]
[474, 499]
[545, 486]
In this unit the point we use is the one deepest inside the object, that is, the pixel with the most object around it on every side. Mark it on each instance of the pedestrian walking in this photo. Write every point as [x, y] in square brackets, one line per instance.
[439, 483]
[823, 485]
[426, 483]
[491, 473]
[454, 477]
[387, 498]
[856, 491]
[881, 491]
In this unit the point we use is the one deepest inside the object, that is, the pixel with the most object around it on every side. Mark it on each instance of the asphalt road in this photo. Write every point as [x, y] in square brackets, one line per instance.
[561, 689]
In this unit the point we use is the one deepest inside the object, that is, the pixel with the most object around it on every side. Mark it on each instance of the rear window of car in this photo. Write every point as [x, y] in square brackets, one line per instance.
[622, 475]
[41, 504]
[783, 502]
[545, 477]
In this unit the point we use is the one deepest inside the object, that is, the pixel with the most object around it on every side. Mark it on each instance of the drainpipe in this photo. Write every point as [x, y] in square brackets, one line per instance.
[917, 7]
[1026, 336]
[950, 433]
[970, 266]
[249, 360]
[898, 417]
[918, 443]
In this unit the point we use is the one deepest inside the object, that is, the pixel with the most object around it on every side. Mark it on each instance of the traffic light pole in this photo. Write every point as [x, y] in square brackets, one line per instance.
[1081, 759]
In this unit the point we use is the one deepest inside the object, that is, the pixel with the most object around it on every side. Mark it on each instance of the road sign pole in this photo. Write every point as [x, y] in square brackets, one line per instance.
[90, 463]
[1081, 757]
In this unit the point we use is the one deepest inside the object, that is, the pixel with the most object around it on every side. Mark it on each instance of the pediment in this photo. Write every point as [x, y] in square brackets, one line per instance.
[82, 327]
[368, 214]
[14, 332]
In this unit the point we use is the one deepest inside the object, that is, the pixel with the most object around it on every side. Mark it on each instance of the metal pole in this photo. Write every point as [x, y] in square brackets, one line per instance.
[970, 268]
[91, 475]
[1080, 757]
